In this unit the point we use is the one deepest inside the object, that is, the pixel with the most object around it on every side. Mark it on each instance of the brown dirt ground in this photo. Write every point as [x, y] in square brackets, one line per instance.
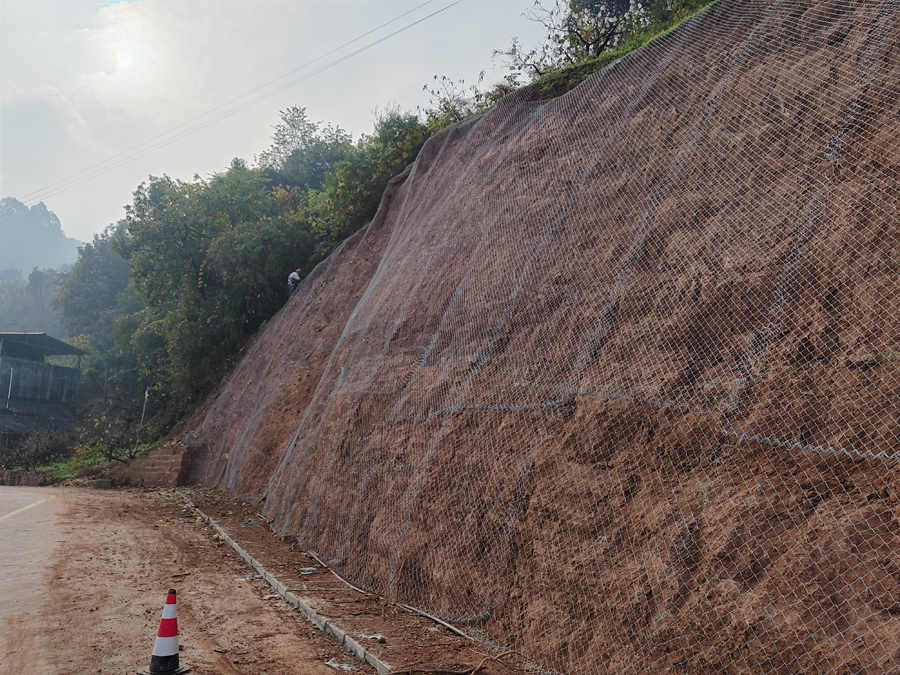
[122, 550]
[399, 638]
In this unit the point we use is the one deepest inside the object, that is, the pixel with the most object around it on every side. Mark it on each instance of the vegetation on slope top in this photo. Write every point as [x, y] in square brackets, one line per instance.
[664, 17]
[166, 299]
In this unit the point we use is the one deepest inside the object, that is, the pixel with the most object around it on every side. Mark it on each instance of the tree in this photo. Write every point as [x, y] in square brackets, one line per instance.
[251, 262]
[28, 306]
[38, 448]
[576, 30]
[302, 152]
[88, 296]
[97, 304]
[452, 101]
[209, 257]
[668, 12]
[350, 196]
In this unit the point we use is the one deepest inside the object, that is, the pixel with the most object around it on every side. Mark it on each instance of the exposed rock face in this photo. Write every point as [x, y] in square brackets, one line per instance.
[615, 377]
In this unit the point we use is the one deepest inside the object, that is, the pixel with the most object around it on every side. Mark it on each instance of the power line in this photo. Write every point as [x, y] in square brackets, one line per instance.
[226, 103]
[161, 140]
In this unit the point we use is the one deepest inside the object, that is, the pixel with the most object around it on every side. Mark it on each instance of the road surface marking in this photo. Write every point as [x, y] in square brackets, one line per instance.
[25, 508]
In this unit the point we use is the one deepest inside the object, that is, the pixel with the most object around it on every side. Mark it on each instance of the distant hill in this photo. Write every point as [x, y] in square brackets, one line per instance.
[32, 237]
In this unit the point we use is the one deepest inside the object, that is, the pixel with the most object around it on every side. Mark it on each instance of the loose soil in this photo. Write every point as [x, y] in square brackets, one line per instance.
[615, 378]
[121, 552]
[396, 636]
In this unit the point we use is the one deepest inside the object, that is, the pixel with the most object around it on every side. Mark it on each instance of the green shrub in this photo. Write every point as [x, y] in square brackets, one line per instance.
[350, 196]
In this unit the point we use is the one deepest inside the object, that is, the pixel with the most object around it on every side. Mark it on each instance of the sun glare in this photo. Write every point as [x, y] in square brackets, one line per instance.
[123, 57]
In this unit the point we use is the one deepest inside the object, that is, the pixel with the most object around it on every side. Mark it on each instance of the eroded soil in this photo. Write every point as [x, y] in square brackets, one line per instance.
[405, 641]
[120, 552]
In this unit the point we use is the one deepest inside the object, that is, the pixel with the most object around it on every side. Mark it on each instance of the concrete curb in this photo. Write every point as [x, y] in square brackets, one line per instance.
[324, 624]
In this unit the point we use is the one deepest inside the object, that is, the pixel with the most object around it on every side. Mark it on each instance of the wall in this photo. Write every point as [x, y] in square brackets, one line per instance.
[38, 381]
[25, 478]
[163, 466]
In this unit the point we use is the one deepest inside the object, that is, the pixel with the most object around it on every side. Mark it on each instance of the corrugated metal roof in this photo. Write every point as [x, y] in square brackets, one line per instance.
[41, 342]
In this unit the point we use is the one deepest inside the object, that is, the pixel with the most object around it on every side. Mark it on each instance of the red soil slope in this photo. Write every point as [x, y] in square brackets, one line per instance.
[613, 380]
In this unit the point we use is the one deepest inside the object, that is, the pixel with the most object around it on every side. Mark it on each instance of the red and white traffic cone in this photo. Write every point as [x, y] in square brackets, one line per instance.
[165, 652]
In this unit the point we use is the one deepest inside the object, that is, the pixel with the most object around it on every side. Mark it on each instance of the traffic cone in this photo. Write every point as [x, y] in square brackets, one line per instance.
[165, 652]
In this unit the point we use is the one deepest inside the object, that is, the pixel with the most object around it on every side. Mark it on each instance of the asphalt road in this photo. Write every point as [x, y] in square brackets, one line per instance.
[28, 534]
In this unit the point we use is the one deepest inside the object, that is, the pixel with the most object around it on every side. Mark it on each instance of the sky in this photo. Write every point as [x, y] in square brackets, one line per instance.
[89, 88]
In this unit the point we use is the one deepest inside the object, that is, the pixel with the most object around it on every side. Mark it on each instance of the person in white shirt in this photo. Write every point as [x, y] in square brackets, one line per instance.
[294, 279]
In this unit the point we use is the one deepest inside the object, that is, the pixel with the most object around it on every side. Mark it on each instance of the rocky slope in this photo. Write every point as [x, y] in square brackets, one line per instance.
[612, 380]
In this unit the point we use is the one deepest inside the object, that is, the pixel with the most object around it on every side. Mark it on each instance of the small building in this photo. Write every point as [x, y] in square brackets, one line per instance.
[35, 395]
[25, 376]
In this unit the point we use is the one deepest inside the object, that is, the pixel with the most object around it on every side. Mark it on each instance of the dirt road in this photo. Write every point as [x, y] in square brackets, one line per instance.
[83, 578]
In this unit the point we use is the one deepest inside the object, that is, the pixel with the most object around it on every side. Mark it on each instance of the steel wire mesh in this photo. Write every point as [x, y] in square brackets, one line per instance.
[619, 389]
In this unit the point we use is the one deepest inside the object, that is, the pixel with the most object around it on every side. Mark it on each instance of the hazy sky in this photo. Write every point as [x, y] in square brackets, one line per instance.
[82, 82]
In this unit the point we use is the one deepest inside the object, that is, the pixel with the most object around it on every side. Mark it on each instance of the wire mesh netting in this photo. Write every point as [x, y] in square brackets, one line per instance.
[612, 380]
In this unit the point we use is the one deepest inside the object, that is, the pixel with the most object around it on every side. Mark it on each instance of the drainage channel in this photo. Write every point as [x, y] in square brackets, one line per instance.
[324, 624]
